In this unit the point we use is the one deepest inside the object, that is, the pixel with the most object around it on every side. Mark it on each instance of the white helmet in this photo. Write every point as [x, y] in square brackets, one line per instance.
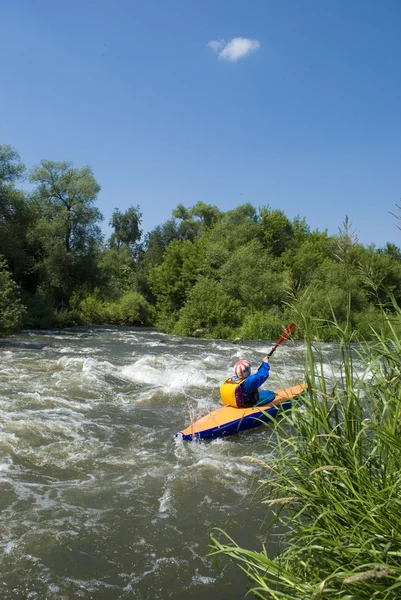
[242, 369]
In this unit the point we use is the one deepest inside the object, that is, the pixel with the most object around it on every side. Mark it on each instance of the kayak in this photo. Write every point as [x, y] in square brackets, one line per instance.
[227, 419]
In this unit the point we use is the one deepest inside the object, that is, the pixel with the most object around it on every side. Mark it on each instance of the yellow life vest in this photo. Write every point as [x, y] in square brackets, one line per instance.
[231, 393]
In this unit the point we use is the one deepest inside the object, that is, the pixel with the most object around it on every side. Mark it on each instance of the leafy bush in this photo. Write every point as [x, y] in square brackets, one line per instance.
[220, 332]
[208, 306]
[11, 308]
[91, 309]
[39, 313]
[130, 309]
[135, 310]
[111, 313]
[260, 325]
[251, 275]
[118, 273]
[66, 318]
[165, 321]
[171, 281]
[368, 320]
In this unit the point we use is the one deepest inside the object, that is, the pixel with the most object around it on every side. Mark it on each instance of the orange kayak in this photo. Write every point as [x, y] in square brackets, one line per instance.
[227, 419]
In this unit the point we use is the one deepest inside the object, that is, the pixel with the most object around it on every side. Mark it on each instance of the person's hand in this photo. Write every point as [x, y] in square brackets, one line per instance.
[266, 359]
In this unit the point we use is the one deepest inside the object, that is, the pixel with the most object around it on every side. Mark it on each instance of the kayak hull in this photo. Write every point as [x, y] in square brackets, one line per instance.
[228, 420]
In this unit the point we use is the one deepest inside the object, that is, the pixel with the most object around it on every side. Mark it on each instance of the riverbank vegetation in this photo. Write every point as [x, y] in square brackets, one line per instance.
[333, 478]
[236, 274]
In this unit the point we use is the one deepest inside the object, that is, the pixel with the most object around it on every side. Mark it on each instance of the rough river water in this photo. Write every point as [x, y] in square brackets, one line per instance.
[98, 499]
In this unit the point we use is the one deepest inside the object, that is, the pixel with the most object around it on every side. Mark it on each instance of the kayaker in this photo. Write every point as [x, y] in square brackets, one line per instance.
[249, 385]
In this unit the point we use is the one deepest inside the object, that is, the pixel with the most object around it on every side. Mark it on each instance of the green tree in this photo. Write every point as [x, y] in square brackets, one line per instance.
[252, 275]
[379, 272]
[278, 230]
[66, 228]
[151, 253]
[196, 220]
[172, 280]
[118, 272]
[189, 224]
[67, 200]
[11, 167]
[157, 241]
[236, 228]
[391, 250]
[126, 227]
[213, 258]
[334, 291]
[304, 261]
[16, 218]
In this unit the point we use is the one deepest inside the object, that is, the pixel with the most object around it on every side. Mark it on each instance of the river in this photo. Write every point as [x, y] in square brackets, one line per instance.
[98, 499]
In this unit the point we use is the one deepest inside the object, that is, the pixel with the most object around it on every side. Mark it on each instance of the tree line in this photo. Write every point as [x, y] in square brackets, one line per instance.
[242, 273]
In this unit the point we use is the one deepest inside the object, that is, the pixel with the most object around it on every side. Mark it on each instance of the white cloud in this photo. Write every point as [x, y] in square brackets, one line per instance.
[235, 49]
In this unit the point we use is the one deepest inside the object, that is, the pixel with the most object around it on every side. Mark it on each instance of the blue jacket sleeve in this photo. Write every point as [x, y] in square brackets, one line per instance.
[253, 382]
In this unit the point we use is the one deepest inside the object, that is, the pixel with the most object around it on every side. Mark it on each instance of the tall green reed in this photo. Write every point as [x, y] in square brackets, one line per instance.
[333, 480]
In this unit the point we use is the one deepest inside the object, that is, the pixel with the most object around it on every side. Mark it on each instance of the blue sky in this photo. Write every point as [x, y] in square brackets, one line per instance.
[302, 114]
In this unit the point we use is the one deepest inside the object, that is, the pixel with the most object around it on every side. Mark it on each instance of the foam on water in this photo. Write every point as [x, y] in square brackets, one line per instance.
[172, 372]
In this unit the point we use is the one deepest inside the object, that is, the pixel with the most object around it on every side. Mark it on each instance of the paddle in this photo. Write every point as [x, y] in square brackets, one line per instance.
[287, 332]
